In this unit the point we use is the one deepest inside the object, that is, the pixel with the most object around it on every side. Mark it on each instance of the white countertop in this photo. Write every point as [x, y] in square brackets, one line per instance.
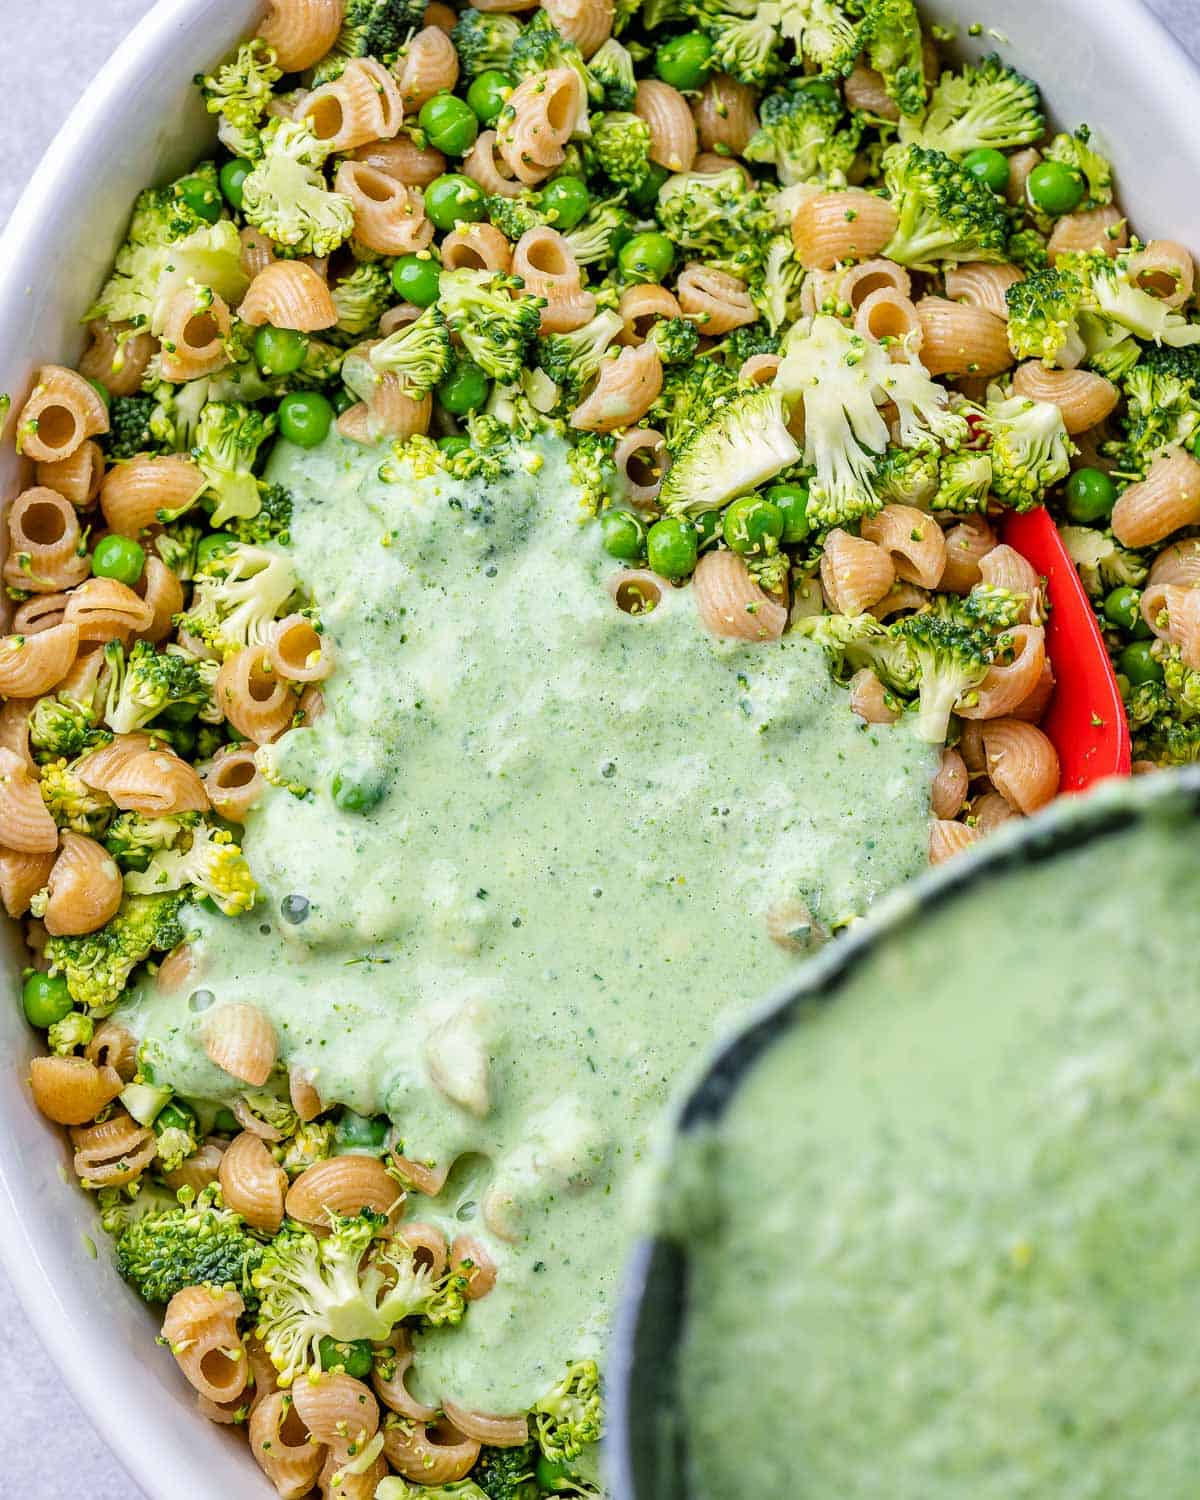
[50, 1451]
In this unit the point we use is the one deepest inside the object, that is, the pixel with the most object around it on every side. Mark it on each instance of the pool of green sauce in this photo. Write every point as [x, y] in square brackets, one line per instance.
[582, 820]
[944, 1241]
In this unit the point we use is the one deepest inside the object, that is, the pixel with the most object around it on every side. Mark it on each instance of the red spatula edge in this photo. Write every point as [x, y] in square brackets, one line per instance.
[1086, 719]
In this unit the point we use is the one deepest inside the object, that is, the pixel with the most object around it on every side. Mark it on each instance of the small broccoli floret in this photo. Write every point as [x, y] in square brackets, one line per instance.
[952, 659]
[600, 233]
[177, 1134]
[62, 727]
[890, 36]
[747, 47]
[272, 523]
[484, 40]
[200, 1243]
[508, 1473]
[777, 287]
[990, 607]
[147, 682]
[75, 1030]
[1163, 395]
[418, 354]
[798, 135]
[571, 1414]
[240, 92]
[177, 546]
[514, 217]
[823, 33]
[129, 430]
[743, 445]
[986, 105]
[228, 438]
[213, 864]
[495, 326]
[237, 597]
[1110, 350]
[370, 28]
[619, 147]
[908, 478]
[1076, 151]
[1027, 248]
[612, 68]
[71, 803]
[286, 195]
[964, 482]
[1043, 317]
[133, 837]
[311, 1141]
[1102, 562]
[573, 359]
[345, 1287]
[945, 214]
[593, 470]
[676, 340]
[691, 397]
[716, 215]
[97, 966]
[852, 642]
[1168, 742]
[925, 417]
[1031, 451]
[1113, 293]
[361, 298]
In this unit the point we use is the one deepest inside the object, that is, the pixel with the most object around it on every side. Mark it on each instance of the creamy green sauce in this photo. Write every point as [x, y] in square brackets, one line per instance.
[522, 945]
[951, 1248]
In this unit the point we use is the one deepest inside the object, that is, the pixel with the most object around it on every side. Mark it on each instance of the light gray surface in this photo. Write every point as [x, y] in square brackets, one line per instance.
[51, 1452]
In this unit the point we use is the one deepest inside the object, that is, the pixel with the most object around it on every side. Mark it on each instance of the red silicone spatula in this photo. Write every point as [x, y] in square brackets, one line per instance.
[1086, 719]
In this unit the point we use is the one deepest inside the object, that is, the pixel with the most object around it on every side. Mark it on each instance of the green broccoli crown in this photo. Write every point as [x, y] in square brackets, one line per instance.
[964, 482]
[1181, 684]
[777, 287]
[1027, 248]
[484, 40]
[593, 470]
[273, 523]
[1113, 293]
[824, 33]
[146, 682]
[237, 596]
[1043, 316]
[945, 214]
[418, 354]
[747, 47]
[75, 1030]
[514, 217]
[177, 1134]
[799, 135]
[97, 966]
[508, 1473]
[374, 28]
[240, 92]
[619, 146]
[743, 445]
[745, 342]
[1169, 743]
[691, 396]
[196, 1244]
[1030, 449]
[851, 642]
[361, 298]
[61, 727]
[601, 232]
[908, 477]
[612, 69]
[495, 326]
[987, 105]
[228, 438]
[989, 607]
[952, 658]
[211, 864]
[716, 215]
[890, 36]
[177, 546]
[573, 359]
[71, 803]
[1076, 151]
[286, 195]
[1163, 395]
[129, 429]
[1102, 562]
[133, 837]
[571, 1414]
[676, 340]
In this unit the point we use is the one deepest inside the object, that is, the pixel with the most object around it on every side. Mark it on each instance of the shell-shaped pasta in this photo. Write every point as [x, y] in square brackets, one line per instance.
[730, 603]
[437, 14]
[399, 317]
[1166, 270]
[567, 309]
[714, 300]
[1083, 398]
[1008, 684]
[641, 307]
[912, 540]
[844, 290]
[62, 412]
[759, 369]
[1005, 568]
[476, 247]
[537, 122]
[112, 1152]
[104, 610]
[257, 251]
[947, 839]
[544, 262]
[42, 612]
[428, 65]
[361, 105]
[14, 730]
[196, 327]
[117, 356]
[587, 23]
[869, 699]
[391, 1388]
[1032, 708]
[962, 340]
[79, 477]
[241, 1039]
[725, 115]
[71, 1090]
[625, 390]
[967, 543]
[200, 1328]
[289, 294]
[280, 1444]
[428, 1244]
[901, 598]
[253, 1184]
[343, 1185]
[494, 1431]
[990, 811]
[342, 1476]
[642, 460]
[430, 1453]
[32, 665]
[1173, 614]
[636, 591]
[22, 876]
[337, 1408]
[1105, 229]
[152, 781]
[198, 1171]
[1020, 165]
[43, 544]
[1166, 500]
[403, 159]
[301, 32]
[133, 493]
[866, 92]
[163, 592]
[855, 572]
[888, 316]
[113, 1047]
[485, 164]
[85, 888]
[672, 129]
[829, 228]
[233, 783]
[298, 652]
[388, 216]
[470, 1259]
[1022, 763]
[983, 285]
[302, 1091]
[950, 785]
[252, 696]
[1177, 563]
[25, 824]
[392, 413]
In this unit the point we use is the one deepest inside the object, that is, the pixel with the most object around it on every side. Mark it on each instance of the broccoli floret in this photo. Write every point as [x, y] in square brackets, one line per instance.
[1027, 248]
[484, 40]
[311, 1141]
[240, 92]
[1114, 295]
[177, 547]
[945, 214]
[1109, 350]
[676, 340]
[987, 606]
[716, 215]
[601, 232]
[395, 1488]
[747, 47]
[228, 438]
[743, 445]
[890, 36]
[273, 522]
[690, 398]
[345, 1287]
[71, 803]
[851, 642]
[612, 69]
[495, 326]
[573, 359]
[1076, 151]
[371, 28]
[133, 837]
[200, 1243]
[1030, 449]
[361, 299]
[952, 658]
[1043, 317]
[237, 597]
[571, 1414]
[508, 1473]
[286, 195]
[1163, 392]
[514, 217]
[62, 727]
[75, 1030]
[147, 682]
[798, 135]
[1102, 562]
[925, 417]
[213, 864]
[129, 430]
[823, 33]
[964, 482]
[986, 105]
[593, 470]
[418, 354]
[908, 478]
[776, 288]
[177, 1134]
[1169, 743]
[97, 966]
[620, 147]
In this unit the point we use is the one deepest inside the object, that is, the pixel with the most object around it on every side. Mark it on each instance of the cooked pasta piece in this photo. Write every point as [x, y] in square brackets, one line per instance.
[476, 247]
[134, 493]
[730, 603]
[361, 105]
[962, 340]
[1084, 399]
[889, 317]
[641, 307]
[62, 412]
[866, 92]
[486, 165]
[388, 1379]
[672, 128]
[636, 591]
[437, 14]
[302, 1091]
[113, 1047]
[1022, 763]
[544, 262]
[252, 1182]
[144, 778]
[1173, 614]
[25, 823]
[1177, 563]
[431, 1453]
[253, 697]
[32, 665]
[118, 356]
[198, 1171]
[282, 1447]
[912, 540]
[104, 610]
[113, 1152]
[950, 785]
[343, 1185]
[79, 477]
[257, 251]
[200, 1329]
[162, 591]
[494, 1431]
[1102, 229]
[392, 413]
[301, 32]
[625, 390]
[855, 572]
[403, 159]
[343, 1476]
[1164, 502]
[642, 460]
[1032, 708]
[832, 227]
[947, 839]
[71, 1090]
[537, 122]
[388, 215]
[44, 544]
[289, 294]
[85, 888]
[869, 699]
[1166, 270]
[990, 811]
[901, 598]
[725, 114]
[241, 1039]
[298, 651]
[196, 329]
[1020, 165]
[967, 542]
[469, 1258]
[981, 285]
[22, 876]
[233, 782]
[336, 1408]
[428, 65]
[14, 730]
[1005, 568]
[1008, 684]
[714, 300]
[587, 23]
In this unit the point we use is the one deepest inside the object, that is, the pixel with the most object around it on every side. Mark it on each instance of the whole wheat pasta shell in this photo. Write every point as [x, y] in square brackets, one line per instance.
[301, 32]
[163, 592]
[71, 1090]
[22, 876]
[641, 307]
[636, 591]
[625, 390]
[587, 23]
[866, 92]
[912, 540]
[946, 839]
[855, 572]
[14, 730]
[1105, 229]
[428, 65]
[198, 1171]
[1020, 165]
[256, 701]
[566, 309]
[476, 247]
[1179, 562]
[362, 105]
[403, 159]
[962, 340]
[252, 1182]
[389, 216]
[133, 493]
[62, 412]
[901, 598]
[117, 356]
[1008, 684]
[470, 1259]
[31, 666]
[729, 603]
[25, 824]
[140, 776]
[241, 1039]
[336, 1407]
[343, 1185]
[714, 300]
[85, 888]
[112, 1046]
[43, 544]
[1084, 399]
[113, 1152]
[829, 228]
[1005, 568]
[289, 294]
[967, 542]
[485, 164]
[1032, 708]
[990, 811]
[642, 459]
[1166, 270]
[104, 610]
[983, 285]
[493, 1431]
[544, 262]
[537, 123]
[77, 478]
[888, 316]
[673, 137]
[257, 251]
[392, 1390]
[868, 698]
[725, 114]
[200, 1328]
[279, 1442]
[431, 1453]
[196, 328]
[298, 652]
[1022, 763]
[42, 612]
[1164, 502]
[302, 1091]
[233, 783]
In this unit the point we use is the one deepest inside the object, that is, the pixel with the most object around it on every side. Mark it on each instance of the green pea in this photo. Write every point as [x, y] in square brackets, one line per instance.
[565, 201]
[175, 1116]
[355, 1358]
[645, 195]
[233, 180]
[454, 444]
[708, 527]
[685, 61]
[647, 257]
[200, 196]
[753, 526]
[118, 557]
[1056, 189]
[1139, 664]
[450, 124]
[1123, 608]
[488, 95]
[45, 999]
[279, 351]
[1091, 495]
[210, 547]
[305, 418]
[623, 534]
[358, 788]
[464, 389]
[415, 278]
[224, 1121]
[792, 500]
[990, 167]
[671, 546]
[360, 1132]
[454, 199]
